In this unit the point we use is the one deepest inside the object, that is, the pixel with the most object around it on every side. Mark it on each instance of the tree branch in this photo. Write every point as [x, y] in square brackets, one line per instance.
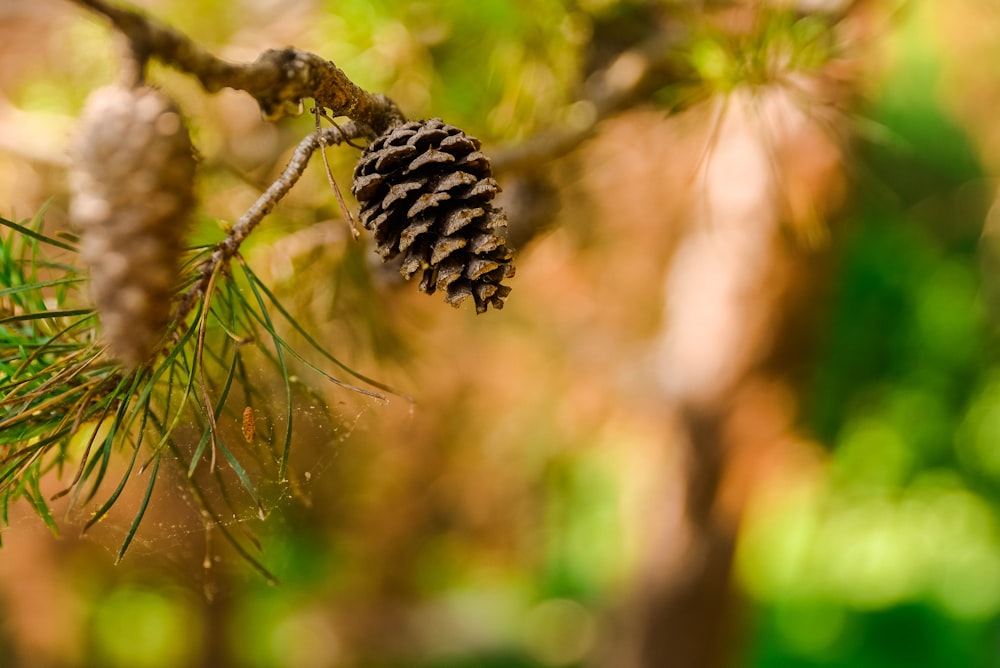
[280, 79]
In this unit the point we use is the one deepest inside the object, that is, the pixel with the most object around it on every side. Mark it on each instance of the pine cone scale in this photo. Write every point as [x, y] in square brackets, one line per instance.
[393, 156]
[428, 201]
[427, 136]
[456, 220]
[431, 157]
[398, 192]
[445, 246]
[480, 266]
[475, 161]
[366, 186]
[455, 180]
[412, 231]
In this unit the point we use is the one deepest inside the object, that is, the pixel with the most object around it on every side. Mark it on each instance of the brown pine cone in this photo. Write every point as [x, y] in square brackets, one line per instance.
[426, 193]
[132, 181]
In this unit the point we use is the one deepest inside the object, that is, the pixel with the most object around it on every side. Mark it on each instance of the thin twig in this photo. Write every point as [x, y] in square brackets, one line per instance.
[346, 210]
[226, 249]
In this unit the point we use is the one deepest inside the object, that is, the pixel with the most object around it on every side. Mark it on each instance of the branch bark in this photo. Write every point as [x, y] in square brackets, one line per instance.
[280, 79]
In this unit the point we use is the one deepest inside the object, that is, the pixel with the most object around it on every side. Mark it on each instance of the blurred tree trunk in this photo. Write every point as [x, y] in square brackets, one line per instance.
[683, 615]
[735, 291]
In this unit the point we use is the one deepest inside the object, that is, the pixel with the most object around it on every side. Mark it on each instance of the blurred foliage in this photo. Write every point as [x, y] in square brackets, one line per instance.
[894, 558]
[778, 42]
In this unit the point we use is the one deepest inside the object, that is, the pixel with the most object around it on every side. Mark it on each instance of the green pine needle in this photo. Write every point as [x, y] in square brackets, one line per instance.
[64, 402]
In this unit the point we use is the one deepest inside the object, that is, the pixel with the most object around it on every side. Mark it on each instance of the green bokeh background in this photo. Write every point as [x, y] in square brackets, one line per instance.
[891, 559]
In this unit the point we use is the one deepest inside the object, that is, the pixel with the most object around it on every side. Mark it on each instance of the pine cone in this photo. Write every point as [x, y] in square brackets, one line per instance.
[426, 193]
[132, 181]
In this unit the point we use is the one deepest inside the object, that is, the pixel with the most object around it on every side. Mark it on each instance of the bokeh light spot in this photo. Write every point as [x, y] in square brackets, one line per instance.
[144, 628]
[559, 632]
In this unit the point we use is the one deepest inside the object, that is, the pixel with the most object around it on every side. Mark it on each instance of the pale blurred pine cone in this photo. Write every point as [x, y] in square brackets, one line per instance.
[132, 182]
[426, 192]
